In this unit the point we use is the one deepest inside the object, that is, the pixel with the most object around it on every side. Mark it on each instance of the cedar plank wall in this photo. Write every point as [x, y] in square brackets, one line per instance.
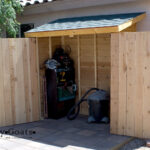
[130, 113]
[19, 98]
[92, 61]
[45, 49]
[91, 55]
[43, 46]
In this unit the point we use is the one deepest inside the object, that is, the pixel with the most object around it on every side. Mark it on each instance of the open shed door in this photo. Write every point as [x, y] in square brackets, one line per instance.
[130, 84]
[19, 91]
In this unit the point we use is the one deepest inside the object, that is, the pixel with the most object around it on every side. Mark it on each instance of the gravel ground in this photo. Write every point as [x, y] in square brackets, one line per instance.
[136, 144]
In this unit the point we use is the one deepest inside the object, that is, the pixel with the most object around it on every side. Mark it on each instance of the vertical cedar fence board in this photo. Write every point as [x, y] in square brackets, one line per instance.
[19, 95]
[130, 84]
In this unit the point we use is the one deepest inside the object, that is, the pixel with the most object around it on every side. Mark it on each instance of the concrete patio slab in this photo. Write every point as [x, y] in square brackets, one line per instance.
[60, 134]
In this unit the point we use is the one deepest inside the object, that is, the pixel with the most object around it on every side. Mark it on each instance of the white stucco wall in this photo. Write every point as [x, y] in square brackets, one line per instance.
[135, 6]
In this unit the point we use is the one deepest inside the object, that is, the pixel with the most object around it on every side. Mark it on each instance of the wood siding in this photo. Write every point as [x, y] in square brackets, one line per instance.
[19, 98]
[130, 84]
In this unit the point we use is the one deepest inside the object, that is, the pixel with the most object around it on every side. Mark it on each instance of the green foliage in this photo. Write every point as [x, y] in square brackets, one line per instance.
[8, 11]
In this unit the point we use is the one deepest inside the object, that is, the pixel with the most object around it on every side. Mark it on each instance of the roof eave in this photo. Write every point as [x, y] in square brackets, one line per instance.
[131, 22]
[72, 32]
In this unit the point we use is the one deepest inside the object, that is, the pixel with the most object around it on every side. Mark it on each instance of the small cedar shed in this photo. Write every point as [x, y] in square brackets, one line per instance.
[99, 57]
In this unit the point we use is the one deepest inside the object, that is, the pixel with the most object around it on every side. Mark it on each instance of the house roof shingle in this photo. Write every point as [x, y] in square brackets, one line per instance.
[31, 2]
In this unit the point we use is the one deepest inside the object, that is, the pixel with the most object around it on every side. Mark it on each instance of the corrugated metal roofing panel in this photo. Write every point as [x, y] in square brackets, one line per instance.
[86, 22]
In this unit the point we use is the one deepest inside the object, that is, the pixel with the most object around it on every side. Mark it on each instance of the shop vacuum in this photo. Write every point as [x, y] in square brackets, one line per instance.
[99, 106]
[60, 84]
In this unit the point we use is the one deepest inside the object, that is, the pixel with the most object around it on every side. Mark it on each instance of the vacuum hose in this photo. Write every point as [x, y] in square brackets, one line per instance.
[71, 115]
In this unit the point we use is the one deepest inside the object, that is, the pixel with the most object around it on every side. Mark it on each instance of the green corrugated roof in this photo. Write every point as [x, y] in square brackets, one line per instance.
[87, 22]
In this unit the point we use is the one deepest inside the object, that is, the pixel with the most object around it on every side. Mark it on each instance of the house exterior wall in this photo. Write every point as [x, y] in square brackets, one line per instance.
[126, 7]
[59, 5]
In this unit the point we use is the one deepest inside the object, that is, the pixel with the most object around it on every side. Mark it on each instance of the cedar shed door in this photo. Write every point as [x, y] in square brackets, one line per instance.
[130, 84]
[19, 95]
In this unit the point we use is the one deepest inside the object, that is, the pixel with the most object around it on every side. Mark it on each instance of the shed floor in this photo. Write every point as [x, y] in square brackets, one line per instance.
[60, 134]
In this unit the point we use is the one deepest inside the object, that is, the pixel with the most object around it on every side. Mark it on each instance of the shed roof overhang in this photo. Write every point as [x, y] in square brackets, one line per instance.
[87, 25]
